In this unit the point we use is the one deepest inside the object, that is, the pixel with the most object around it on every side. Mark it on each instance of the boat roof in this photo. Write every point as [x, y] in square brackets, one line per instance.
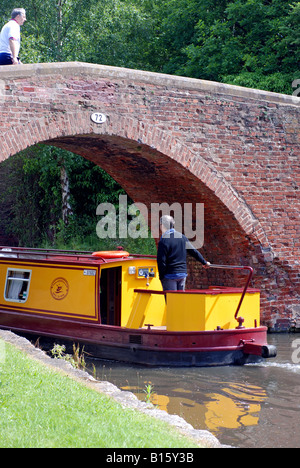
[63, 256]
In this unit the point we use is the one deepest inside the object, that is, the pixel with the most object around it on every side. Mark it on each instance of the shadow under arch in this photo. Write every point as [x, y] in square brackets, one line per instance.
[149, 176]
[138, 135]
[152, 165]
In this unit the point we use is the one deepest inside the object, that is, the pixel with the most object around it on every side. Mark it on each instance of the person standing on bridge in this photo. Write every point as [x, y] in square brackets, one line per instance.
[10, 38]
[171, 256]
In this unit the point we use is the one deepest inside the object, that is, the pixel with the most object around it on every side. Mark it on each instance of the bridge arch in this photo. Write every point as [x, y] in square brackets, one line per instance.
[49, 130]
[162, 142]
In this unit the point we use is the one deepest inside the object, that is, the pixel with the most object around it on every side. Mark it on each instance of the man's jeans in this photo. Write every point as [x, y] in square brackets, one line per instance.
[5, 59]
[173, 284]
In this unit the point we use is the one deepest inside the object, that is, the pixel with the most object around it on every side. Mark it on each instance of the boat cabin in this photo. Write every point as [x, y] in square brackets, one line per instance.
[115, 289]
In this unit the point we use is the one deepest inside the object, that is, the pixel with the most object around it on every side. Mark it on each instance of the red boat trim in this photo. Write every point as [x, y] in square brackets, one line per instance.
[130, 346]
[211, 291]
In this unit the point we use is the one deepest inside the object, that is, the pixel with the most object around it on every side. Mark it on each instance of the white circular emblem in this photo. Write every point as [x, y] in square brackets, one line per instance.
[98, 118]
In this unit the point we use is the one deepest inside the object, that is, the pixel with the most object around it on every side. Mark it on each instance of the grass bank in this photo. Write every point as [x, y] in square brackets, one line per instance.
[40, 407]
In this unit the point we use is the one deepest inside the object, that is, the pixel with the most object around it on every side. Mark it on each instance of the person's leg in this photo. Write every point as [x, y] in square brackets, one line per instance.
[169, 284]
[5, 59]
[181, 284]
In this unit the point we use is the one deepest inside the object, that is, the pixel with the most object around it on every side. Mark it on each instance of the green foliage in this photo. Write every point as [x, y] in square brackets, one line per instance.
[112, 32]
[246, 42]
[76, 359]
[31, 202]
[149, 392]
[32, 208]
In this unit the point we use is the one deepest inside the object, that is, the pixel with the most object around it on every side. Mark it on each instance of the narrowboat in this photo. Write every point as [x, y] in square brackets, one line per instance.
[113, 304]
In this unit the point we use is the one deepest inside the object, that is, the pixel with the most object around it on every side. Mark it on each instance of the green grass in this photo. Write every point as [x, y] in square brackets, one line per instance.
[40, 407]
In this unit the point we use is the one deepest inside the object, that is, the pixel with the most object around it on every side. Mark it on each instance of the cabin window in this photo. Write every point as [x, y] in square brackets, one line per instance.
[17, 285]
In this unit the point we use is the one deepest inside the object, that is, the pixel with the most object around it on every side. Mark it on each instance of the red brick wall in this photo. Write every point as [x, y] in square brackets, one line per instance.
[171, 139]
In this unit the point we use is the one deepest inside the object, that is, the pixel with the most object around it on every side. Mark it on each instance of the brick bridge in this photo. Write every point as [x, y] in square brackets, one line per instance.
[172, 139]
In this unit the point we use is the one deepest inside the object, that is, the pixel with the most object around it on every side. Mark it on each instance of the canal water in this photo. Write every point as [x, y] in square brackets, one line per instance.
[249, 406]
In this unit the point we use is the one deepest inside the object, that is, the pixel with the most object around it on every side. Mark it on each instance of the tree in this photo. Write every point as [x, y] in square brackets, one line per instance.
[246, 42]
[112, 32]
